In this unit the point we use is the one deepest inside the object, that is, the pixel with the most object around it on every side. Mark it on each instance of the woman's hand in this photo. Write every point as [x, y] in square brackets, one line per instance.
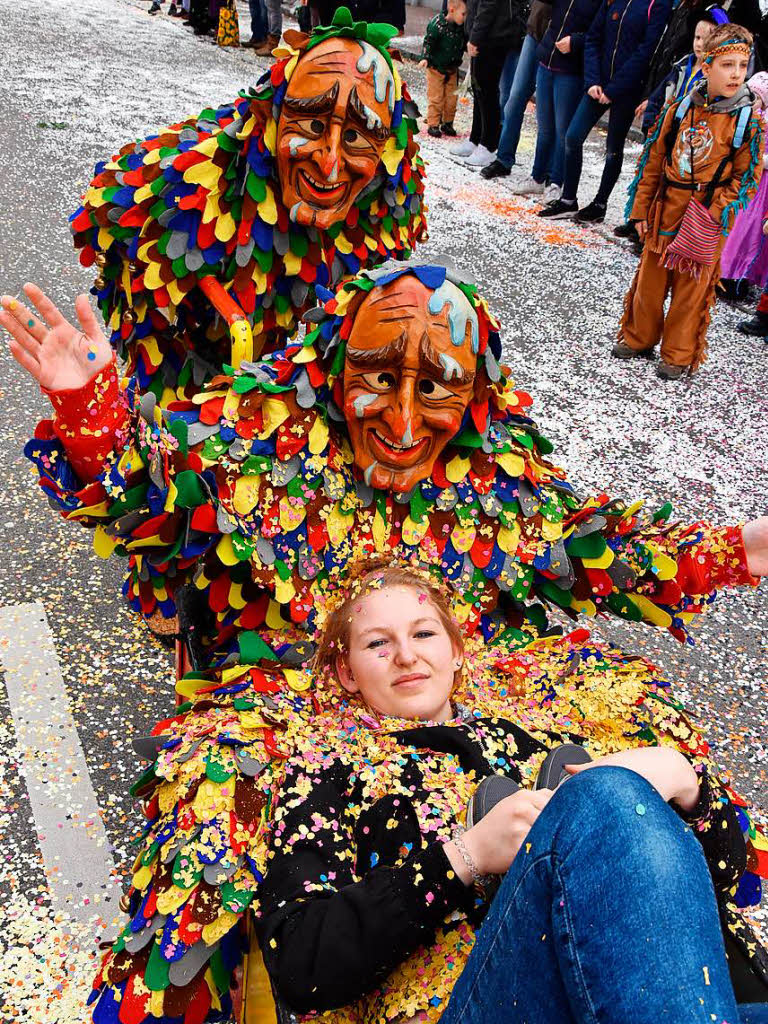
[595, 92]
[494, 842]
[667, 770]
[472, 50]
[59, 356]
[564, 44]
[640, 108]
[755, 536]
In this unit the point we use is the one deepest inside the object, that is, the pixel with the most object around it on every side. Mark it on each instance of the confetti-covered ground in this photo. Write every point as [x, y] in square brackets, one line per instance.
[79, 79]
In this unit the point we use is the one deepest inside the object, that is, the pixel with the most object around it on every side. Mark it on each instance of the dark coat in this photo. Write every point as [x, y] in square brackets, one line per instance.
[569, 18]
[496, 24]
[620, 43]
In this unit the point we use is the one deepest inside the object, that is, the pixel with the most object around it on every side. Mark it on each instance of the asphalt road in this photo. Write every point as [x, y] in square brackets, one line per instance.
[81, 78]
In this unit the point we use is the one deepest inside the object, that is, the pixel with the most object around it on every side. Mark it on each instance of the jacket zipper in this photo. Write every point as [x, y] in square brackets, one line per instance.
[618, 36]
[560, 34]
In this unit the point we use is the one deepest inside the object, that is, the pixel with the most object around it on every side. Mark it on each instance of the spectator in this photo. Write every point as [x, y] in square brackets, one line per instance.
[274, 28]
[520, 91]
[258, 24]
[619, 46]
[494, 29]
[444, 46]
[685, 74]
[700, 165]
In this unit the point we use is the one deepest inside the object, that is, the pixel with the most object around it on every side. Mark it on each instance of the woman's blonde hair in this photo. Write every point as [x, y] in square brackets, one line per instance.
[333, 640]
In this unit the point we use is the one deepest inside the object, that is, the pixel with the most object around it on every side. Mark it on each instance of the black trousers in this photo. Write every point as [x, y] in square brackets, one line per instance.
[486, 71]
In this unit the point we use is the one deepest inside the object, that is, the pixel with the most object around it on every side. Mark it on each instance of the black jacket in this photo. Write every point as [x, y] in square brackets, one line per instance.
[343, 899]
[496, 24]
[569, 18]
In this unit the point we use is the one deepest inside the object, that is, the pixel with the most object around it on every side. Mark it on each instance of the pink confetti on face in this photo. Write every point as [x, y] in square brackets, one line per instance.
[422, 598]
[383, 654]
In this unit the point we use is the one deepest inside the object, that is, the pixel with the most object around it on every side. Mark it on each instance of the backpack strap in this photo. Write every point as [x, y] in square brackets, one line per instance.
[742, 123]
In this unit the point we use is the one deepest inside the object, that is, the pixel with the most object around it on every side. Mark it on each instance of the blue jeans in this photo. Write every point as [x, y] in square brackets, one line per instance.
[621, 114]
[519, 91]
[607, 914]
[557, 97]
[258, 19]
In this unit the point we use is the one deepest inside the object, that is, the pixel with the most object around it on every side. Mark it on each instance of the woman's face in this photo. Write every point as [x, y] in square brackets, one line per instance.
[401, 659]
[700, 36]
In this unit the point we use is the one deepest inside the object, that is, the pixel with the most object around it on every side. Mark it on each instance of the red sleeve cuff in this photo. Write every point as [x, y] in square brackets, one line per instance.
[90, 421]
[718, 560]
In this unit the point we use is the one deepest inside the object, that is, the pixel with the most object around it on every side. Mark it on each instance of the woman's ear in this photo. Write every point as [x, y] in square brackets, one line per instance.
[458, 657]
[345, 677]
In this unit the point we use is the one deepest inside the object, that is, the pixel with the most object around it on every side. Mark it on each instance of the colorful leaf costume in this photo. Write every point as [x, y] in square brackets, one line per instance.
[202, 199]
[246, 498]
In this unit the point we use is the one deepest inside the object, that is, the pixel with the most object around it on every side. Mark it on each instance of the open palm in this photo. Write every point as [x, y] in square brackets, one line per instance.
[57, 354]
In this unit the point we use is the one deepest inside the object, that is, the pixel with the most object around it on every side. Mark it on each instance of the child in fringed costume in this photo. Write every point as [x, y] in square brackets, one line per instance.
[700, 165]
[745, 254]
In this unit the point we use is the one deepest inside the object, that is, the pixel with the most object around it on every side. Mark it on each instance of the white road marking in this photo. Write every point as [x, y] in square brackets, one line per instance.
[79, 867]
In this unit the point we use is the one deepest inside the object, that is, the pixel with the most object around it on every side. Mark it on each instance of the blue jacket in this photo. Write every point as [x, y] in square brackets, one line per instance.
[620, 44]
[569, 18]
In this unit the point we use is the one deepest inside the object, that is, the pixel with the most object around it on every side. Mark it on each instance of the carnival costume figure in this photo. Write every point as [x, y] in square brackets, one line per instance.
[390, 430]
[228, 220]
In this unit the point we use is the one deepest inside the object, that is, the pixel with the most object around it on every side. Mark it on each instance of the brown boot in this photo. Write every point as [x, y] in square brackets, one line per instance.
[266, 48]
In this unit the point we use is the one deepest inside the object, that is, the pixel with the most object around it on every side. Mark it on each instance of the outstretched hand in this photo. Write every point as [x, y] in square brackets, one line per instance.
[58, 355]
[755, 535]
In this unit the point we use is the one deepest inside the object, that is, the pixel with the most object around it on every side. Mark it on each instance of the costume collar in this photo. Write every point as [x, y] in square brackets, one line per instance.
[723, 105]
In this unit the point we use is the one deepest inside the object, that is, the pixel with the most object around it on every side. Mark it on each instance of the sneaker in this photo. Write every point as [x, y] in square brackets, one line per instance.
[448, 129]
[552, 771]
[154, 8]
[622, 351]
[552, 192]
[666, 371]
[594, 213]
[495, 170]
[560, 209]
[481, 157]
[174, 12]
[463, 149]
[529, 187]
[434, 131]
[757, 327]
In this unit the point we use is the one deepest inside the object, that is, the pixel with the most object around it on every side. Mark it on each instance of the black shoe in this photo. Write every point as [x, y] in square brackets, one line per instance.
[173, 11]
[155, 8]
[627, 230]
[252, 43]
[495, 170]
[559, 209]
[757, 327]
[448, 129]
[594, 213]
[434, 131]
[552, 771]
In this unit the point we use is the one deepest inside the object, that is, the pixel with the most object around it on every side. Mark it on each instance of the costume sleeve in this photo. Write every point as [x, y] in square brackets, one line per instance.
[332, 928]
[715, 822]
[593, 47]
[745, 177]
[649, 168]
[656, 101]
[632, 72]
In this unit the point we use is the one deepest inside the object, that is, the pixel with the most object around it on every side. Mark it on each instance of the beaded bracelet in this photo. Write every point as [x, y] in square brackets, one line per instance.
[480, 880]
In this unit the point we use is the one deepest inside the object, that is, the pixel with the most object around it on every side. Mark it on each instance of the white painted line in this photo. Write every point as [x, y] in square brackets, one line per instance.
[82, 878]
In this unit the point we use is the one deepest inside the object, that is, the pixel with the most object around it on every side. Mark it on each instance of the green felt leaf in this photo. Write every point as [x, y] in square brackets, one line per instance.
[621, 605]
[180, 430]
[663, 513]
[591, 546]
[131, 499]
[253, 649]
[242, 546]
[235, 899]
[216, 771]
[282, 569]
[255, 465]
[214, 447]
[190, 490]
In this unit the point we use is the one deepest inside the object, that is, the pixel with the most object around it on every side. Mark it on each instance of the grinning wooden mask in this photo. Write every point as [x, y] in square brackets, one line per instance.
[409, 375]
[335, 121]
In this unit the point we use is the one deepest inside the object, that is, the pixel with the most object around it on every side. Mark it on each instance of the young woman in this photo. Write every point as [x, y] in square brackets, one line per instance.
[620, 43]
[375, 890]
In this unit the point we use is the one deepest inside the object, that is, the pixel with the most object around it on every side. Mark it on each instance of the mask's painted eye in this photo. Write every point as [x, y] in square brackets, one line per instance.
[380, 382]
[317, 126]
[354, 140]
[433, 391]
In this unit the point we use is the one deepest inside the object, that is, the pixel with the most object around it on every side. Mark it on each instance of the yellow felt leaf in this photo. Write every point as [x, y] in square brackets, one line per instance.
[225, 551]
[153, 156]
[145, 192]
[380, 533]
[142, 877]
[463, 537]
[144, 542]
[284, 590]
[457, 469]
[170, 501]
[152, 277]
[189, 687]
[292, 263]
[200, 398]
[213, 988]
[176, 294]
[267, 208]
[665, 568]
[651, 611]
[391, 156]
[413, 532]
[156, 1004]
[760, 842]
[104, 239]
[206, 174]
[508, 539]
[602, 561]
[584, 607]
[291, 513]
[170, 901]
[210, 800]
[343, 244]
[275, 619]
[246, 495]
[208, 146]
[225, 227]
[236, 599]
[212, 209]
[338, 524]
[270, 135]
[513, 465]
[306, 355]
[103, 544]
[461, 611]
[245, 131]
[551, 531]
[219, 928]
[318, 436]
[297, 680]
[274, 412]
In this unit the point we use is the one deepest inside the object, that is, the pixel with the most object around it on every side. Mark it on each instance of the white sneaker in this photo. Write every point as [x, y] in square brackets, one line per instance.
[529, 187]
[552, 192]
[480, 158]
[463, 149]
